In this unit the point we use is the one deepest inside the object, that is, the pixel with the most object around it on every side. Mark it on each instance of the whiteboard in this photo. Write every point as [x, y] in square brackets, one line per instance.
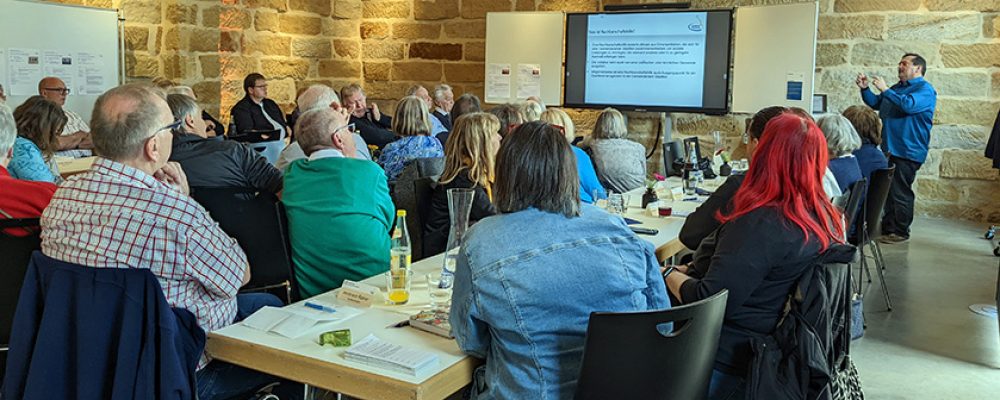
[78, 44]
[774, 45]
[530, 46]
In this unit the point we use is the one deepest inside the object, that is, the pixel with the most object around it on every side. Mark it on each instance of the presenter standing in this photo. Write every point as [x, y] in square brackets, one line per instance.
[907, 113]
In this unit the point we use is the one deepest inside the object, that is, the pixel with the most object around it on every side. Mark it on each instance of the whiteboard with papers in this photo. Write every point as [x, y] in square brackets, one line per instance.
[78, 44]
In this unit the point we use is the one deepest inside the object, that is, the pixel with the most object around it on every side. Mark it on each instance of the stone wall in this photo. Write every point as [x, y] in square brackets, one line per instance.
[391, 44]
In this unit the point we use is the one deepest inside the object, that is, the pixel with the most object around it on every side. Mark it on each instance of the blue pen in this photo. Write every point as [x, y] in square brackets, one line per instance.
[320, 307]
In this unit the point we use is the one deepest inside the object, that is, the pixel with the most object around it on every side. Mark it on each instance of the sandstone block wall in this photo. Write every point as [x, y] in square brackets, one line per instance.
[390, 44]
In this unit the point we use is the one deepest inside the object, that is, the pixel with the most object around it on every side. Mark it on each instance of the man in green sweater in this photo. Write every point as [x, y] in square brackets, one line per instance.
[339, 209]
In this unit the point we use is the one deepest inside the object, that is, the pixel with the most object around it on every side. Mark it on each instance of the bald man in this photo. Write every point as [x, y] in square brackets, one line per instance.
[76, 133]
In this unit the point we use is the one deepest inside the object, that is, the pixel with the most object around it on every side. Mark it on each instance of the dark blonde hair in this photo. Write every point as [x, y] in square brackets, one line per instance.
[470, 147]
[866, 122]
[537, 169]
[412, 117]
[40, 121]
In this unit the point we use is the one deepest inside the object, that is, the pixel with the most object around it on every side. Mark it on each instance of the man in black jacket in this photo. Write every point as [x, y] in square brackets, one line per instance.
[255, 112]
[444, 100]
[367, 119]
[213, 163]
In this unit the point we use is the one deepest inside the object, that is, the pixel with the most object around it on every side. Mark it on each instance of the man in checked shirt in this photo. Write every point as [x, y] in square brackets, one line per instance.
[132, 209]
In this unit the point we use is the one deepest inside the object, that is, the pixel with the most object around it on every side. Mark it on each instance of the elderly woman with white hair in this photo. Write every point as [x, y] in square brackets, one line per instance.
[620, 163]
[841, 141]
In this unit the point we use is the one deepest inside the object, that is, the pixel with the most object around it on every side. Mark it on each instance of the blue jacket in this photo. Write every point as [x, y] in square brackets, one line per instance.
[846, 170]
[870, 158]
[588, 177]
[99, 333]
[525, 285]
[907, 112]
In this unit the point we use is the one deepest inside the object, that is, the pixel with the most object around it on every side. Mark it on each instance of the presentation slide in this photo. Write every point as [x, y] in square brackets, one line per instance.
[663, 60]
[646, 59]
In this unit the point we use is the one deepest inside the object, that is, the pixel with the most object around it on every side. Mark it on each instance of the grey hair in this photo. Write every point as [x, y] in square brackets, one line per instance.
[8, 130]
[532, 110]
[440, 90]
[180, 89]
[841, 137]
[314, 128]
[412, 90]
[316, 96]
[120, 134]
[610, 125]
[181, 106]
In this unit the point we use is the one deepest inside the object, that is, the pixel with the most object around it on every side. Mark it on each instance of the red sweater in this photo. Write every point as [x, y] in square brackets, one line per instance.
[23, 199]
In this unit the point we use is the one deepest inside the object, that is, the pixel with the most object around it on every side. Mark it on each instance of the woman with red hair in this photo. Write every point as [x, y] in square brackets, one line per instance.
[779, 223]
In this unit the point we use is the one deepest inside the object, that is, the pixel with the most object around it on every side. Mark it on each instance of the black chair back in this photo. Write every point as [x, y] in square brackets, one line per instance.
[853, 201]
[16, 251]
[286, 237]
[626, 356]
[255, 136]
[878, 192]
[412, 192]
[252, 219]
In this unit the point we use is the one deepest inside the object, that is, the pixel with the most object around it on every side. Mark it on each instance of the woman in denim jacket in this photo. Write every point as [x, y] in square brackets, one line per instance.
[528, 278]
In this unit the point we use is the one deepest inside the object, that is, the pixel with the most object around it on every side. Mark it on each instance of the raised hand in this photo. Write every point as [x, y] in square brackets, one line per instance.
[862, 81]
[879, 83]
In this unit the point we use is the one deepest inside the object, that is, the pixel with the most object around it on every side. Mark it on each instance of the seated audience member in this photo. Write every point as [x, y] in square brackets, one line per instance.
[75, 134]
[509, 116]
[256, 112]
[339, 210]
[620, 163]
[468, 164]
[39, 122]
[702, 222]
[212, 125]
[841, 140]
[466, 103]
[444, 99]
[317, 96]
[544, 241]
[373, 126]
[412, 123]
[531, 110]
[869, 128]
[216, 163]
[589, 184]
[95, 217]
[773, 231]
[421, 92]
[20, 199]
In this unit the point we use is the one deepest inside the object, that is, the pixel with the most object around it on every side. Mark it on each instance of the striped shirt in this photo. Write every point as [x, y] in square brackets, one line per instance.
[116, 216]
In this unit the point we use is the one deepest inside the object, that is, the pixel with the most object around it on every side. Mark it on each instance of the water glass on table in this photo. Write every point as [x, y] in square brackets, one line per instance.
[397, 283]
[439, 287]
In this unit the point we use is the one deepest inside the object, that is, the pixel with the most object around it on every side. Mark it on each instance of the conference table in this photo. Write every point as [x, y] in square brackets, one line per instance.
[303, 359]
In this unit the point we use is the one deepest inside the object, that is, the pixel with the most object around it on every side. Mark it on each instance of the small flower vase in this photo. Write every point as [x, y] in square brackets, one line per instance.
[649, 197]
[725, 169]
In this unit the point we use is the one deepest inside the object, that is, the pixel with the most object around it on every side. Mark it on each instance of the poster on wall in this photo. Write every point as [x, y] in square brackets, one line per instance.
[24, 70]
[529, 81]
[60, 65]
[498, 83]
[91, 74]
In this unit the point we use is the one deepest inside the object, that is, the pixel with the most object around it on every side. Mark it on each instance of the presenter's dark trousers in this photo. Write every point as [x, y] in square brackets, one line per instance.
[898, 212]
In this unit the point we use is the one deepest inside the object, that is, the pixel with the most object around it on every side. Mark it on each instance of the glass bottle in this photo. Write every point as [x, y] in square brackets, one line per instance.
[459, 207]
[399, 261]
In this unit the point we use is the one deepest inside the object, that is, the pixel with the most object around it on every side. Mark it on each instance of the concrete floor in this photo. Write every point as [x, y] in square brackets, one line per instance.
[930, 346]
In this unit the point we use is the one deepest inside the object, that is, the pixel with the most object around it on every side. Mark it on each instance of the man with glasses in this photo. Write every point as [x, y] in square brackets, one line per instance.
[373, 126]
[256, 112]
[317, 96]
[131, 209]
[76, 133]
[339, 209]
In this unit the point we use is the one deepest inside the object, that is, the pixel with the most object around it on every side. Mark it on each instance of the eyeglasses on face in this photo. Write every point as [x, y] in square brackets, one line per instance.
[57, 90]
[350, 128]
[173, 125]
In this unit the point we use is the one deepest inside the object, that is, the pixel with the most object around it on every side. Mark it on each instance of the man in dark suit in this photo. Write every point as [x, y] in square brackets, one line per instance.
[367, 119]
[444, 99]
[256, 112]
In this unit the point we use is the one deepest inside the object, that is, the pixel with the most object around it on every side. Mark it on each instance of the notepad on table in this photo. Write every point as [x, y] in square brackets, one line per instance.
[378, 353]
[293, 321]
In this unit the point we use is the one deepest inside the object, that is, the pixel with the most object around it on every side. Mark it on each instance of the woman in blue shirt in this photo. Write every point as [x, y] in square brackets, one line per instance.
[841, 141]
[527, 279]
[412, 124]
[589, 184]
[869, 128]
[39, 122]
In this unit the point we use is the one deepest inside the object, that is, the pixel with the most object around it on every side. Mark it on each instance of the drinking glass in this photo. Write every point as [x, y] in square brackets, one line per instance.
[616, 204]
[397, 284]
[439, 289]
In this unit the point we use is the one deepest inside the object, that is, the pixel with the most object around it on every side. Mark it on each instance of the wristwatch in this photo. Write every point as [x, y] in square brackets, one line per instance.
[668, 271]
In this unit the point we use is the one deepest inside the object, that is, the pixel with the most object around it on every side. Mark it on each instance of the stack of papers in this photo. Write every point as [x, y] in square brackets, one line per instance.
[378, 353]
[295, 320]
